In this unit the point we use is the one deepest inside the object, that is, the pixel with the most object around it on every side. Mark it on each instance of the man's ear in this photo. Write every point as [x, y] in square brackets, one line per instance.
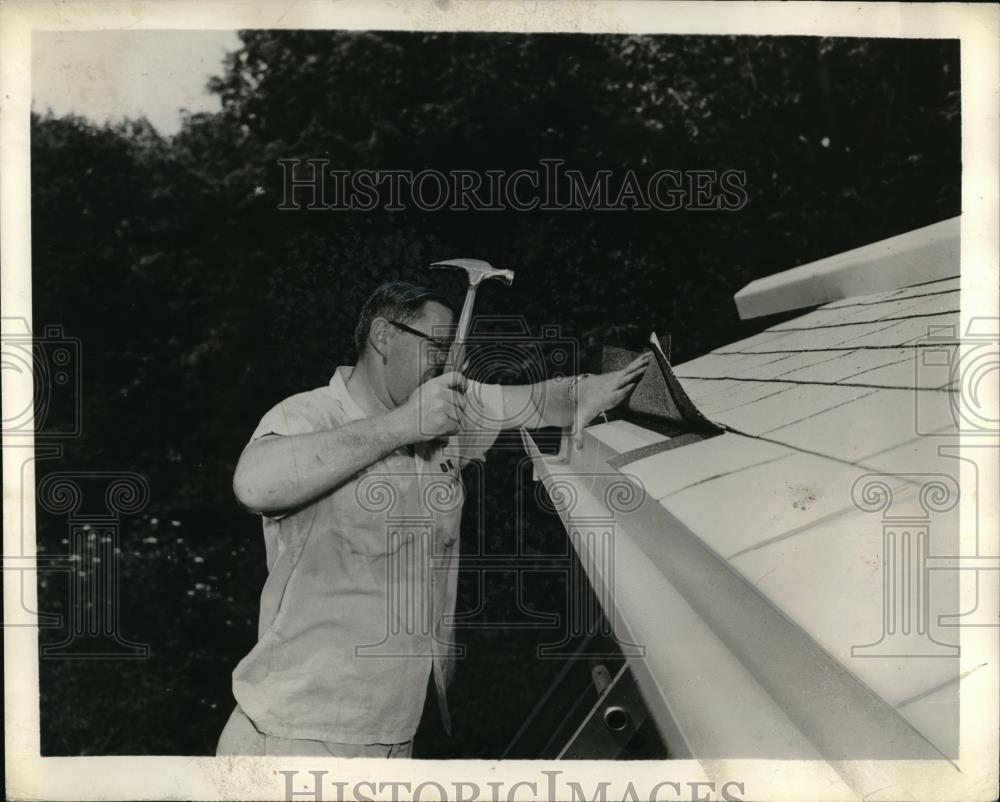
[378, 335]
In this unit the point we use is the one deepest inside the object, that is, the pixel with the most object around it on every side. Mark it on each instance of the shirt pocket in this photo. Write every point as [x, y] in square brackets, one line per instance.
[375, 511]
[444, 497]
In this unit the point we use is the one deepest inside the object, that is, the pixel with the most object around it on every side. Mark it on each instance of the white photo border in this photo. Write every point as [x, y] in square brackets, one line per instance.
[972, 776]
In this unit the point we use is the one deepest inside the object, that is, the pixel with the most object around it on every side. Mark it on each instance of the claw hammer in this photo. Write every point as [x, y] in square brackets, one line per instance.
[478, 271]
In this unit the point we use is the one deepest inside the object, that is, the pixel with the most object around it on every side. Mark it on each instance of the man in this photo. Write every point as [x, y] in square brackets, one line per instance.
[361, 513]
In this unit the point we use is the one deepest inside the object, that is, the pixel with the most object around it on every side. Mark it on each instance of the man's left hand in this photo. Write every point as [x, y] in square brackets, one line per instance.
[604, 391]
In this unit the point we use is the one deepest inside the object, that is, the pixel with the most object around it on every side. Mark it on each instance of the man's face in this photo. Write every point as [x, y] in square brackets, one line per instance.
[411, 359]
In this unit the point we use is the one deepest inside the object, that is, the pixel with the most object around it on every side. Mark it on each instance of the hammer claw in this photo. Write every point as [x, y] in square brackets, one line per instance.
[478, 270]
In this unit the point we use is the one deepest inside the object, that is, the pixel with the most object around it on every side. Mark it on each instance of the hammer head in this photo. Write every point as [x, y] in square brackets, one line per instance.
[478, 270]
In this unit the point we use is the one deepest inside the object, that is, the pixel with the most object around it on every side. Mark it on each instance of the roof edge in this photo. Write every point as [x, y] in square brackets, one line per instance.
[923, 255]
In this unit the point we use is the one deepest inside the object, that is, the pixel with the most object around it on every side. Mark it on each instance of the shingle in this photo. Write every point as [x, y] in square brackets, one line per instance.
[835, 337]
[669, 472]
[953, 283]
[727, 366]
[850, 366]
[741, 395]
[890, 307]
[805, 402]
[658, 392]
[817, 366]
[822, 316]
[872, 423]
[918, 456]
[893, 333]
[764, 503]
[867, 298]
[651, 395]
[699, 390]
[797, 361]
[929, 305]
[830, 581]
[763, 341]
[886, 298]
[902, 374]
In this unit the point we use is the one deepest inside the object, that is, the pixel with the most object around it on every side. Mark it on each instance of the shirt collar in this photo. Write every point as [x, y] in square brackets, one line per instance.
[338, 385]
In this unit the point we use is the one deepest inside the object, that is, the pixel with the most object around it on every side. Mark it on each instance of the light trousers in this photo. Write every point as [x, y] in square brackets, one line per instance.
[241, 737]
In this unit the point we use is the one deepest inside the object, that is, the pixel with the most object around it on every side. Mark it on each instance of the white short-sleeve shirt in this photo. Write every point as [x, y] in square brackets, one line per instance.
[361, 582]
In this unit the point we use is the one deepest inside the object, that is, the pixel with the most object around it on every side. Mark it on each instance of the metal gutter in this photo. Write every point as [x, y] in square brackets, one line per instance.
[725, 673]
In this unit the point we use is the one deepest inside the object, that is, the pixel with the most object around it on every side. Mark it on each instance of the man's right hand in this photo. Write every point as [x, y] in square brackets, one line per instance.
[276, 474]
[436, 407]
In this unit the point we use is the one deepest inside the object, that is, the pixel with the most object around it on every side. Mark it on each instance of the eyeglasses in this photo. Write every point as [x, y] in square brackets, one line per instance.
[441, 347]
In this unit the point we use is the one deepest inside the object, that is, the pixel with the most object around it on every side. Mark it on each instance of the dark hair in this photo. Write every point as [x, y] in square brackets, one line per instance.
[395, 300]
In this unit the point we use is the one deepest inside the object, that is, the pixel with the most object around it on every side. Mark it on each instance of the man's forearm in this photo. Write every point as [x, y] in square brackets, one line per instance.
[572, 400]
[546, 403]
[556, 400]
[280, 473]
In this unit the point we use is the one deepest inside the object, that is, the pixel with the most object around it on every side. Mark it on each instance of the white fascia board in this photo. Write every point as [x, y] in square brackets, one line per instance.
[916, 257]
